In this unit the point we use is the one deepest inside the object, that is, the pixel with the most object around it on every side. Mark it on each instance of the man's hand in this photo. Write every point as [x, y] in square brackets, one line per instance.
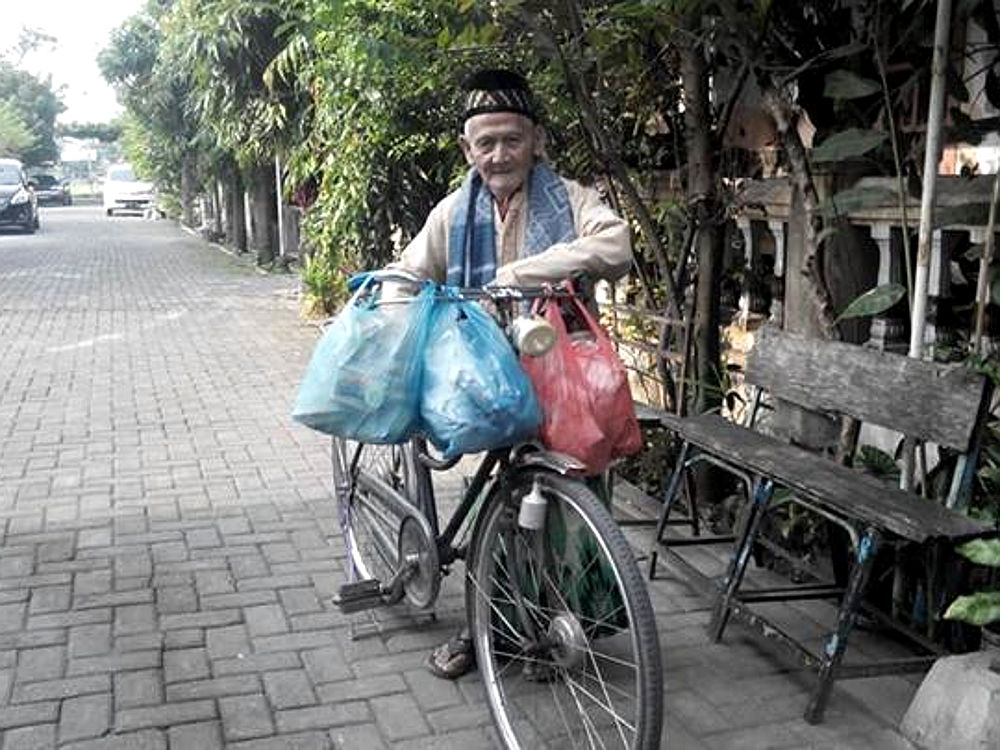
[397, 289]
[504, 277]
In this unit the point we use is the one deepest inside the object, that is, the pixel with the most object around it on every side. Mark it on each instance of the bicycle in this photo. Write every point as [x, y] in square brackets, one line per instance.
[559, 613]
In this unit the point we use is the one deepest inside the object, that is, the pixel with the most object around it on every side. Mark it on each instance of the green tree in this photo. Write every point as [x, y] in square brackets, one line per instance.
[226, 45]
[381, 119]
[159, 129]
[37, 105]
[28, 40]
[15, 137]
[107, 132]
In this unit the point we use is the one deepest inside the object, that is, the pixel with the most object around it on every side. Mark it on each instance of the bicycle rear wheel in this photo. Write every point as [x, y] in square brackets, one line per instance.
[367, 480]
[562, 624]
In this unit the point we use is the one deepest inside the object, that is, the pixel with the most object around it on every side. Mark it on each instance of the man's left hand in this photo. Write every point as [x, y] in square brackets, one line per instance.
[504, 277]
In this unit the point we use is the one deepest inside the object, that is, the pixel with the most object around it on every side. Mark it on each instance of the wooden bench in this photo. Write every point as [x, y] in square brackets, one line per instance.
[936, 403]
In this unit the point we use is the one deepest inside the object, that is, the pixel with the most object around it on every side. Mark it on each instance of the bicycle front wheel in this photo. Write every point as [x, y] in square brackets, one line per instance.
[562, 624]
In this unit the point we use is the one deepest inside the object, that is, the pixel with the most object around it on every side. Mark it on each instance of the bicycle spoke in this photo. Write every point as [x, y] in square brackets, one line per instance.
[577, 688]
[375, 509]
[529, 606]
[585, 718]
[562, 713]
[624, 694]
[494, 608]
[379, 544]
[595, 699]
[561, 586]
[586, 715]
[509, 596]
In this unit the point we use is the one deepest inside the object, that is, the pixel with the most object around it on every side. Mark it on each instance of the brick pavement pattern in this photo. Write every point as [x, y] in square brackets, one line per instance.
[169, 545]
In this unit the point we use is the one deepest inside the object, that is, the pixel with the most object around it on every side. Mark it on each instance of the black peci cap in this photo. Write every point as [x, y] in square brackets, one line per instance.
[498, 90]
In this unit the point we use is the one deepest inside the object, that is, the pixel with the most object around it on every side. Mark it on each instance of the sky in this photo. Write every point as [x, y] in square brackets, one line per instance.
[81, 30]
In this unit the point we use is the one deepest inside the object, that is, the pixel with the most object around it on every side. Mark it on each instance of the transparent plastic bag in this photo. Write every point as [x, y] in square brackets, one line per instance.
[363, 380]
[475, 395]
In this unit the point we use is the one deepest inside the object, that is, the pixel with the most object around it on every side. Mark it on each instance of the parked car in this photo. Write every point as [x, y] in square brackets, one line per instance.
[18, 203]
[51, 191]
[124, 192]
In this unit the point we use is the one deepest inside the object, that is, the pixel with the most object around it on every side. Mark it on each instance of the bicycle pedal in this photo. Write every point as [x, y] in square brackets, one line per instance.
[359, 596]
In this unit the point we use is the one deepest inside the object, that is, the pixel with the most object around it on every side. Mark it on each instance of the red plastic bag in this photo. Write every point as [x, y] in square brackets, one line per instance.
[583, 390]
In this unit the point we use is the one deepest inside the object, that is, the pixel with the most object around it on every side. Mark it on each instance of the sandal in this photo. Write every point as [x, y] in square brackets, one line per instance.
[453, 659]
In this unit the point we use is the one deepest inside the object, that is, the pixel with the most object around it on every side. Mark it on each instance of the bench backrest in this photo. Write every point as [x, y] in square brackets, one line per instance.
[940, 403]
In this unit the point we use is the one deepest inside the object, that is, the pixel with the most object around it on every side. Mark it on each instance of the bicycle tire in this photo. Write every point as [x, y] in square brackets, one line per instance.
[369, 525]
[581, 679]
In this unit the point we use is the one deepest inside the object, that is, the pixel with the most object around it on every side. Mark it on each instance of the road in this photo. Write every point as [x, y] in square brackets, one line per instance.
[169, 544]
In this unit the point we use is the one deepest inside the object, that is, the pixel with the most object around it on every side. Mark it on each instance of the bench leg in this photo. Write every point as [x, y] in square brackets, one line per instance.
[668, 502]
[741, 557]
[936, 589]
[836, 644]
[692, 503]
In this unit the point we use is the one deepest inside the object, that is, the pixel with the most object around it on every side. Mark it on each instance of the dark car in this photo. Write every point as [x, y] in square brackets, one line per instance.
[51, 191]
[18, 203]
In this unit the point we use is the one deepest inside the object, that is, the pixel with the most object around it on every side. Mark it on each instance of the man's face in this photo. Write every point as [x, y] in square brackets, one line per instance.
[502, 146]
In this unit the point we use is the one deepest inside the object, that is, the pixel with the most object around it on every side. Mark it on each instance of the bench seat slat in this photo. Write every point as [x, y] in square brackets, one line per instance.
[817, 479]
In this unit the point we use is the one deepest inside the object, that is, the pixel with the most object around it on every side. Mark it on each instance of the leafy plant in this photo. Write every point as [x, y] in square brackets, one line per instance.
[28, 109]
[796, 535]
[848, 144]
[843, 84]
[874, 301]
[877, 462]
[981, 607]
[324, 286]
[14, 134]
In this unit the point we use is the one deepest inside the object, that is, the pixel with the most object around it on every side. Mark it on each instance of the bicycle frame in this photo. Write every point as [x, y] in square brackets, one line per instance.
[508, 459]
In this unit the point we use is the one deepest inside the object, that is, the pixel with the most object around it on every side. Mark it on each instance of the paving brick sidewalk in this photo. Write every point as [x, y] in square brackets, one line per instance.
[169, 548]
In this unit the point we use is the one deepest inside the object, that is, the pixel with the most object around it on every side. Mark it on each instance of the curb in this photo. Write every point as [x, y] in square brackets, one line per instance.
[222, 248]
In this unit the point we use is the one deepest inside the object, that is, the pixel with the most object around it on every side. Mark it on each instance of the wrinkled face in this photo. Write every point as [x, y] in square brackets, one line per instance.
[502, 146]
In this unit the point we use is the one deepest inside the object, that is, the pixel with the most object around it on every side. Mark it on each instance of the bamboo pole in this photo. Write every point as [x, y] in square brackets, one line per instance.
[928, 195]
[278, 199]
[982, 285]
[932, 155]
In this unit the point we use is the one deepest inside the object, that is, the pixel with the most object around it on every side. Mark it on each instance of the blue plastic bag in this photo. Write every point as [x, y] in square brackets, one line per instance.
[363, 380]
[475, 395]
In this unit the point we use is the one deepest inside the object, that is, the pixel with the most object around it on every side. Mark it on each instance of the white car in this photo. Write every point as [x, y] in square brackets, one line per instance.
[123, 192]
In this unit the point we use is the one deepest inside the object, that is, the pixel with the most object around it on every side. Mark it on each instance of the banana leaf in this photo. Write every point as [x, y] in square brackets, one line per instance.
[874, 301]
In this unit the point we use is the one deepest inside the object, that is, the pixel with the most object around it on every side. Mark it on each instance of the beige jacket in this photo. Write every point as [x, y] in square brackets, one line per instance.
[602, 247]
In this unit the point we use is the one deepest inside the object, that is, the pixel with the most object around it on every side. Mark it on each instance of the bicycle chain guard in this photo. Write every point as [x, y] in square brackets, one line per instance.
[417, 545]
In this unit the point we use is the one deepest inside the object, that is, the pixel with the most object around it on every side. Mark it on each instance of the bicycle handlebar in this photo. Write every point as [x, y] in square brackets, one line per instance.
[495, 293]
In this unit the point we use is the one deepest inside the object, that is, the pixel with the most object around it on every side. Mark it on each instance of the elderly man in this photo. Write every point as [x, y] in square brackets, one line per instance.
[513, 222]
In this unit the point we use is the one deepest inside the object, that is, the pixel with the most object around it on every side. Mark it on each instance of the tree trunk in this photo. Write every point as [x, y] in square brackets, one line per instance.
[237, 230]
[785, 119]
[710, 484]
[263, 213]
[187, 189]
[703, 201]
